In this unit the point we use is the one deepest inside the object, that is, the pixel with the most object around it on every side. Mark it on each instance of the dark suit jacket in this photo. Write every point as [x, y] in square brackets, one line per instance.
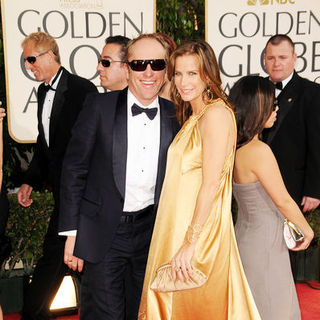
[94, 171]
[46, 163]
[295, 137]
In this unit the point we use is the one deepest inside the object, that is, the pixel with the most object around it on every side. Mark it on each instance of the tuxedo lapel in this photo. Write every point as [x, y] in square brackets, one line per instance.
[58, 102]
[120, 142]
[286, 100]
[166, 136]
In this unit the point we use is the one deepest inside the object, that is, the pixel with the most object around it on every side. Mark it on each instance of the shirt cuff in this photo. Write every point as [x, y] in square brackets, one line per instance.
[68, 233]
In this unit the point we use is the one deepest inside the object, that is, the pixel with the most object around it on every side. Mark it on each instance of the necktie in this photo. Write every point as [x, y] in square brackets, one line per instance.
[151, 113]
[48, 87]
[279, 85]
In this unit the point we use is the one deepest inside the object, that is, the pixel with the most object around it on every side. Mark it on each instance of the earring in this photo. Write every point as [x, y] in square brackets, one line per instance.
[209, 94]
[178, 95]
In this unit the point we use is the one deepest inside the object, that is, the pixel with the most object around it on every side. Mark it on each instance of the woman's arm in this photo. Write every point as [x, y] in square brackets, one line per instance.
[265, 167]
[218, 137]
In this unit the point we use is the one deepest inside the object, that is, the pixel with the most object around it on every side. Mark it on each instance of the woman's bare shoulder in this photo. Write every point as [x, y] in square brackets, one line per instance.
[256, 149]
[218, 111]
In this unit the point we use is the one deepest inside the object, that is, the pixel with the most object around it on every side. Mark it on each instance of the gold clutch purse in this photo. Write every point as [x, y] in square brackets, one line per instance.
[163, 280]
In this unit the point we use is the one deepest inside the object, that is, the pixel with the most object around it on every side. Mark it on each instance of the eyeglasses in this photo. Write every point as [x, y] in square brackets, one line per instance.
[107, 63]
[141, 65]
[33, 59]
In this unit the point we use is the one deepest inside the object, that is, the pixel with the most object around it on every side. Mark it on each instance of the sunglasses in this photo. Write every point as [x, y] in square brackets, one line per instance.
[33, 59]
[275, 104]
[107, 63]
[141, 65]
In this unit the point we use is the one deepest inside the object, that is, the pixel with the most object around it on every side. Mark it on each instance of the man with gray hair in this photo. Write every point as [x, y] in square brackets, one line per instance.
[111, 182]
[60, 99]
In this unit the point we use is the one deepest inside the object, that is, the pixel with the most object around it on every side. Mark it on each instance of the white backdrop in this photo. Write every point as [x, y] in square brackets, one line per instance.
[80, 28]
[239, 29]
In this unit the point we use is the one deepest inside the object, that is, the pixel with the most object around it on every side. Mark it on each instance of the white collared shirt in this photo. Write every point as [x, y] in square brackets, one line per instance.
[142, 156]
[47, 108]
[284, 83]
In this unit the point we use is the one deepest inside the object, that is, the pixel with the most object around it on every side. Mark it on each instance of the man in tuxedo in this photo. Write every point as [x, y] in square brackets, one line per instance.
[111, 65]
[111, 182]
[60, 99]
[5, 245]
[295, 136]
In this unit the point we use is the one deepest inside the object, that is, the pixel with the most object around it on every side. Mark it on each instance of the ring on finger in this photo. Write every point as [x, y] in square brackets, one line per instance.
[177, 268]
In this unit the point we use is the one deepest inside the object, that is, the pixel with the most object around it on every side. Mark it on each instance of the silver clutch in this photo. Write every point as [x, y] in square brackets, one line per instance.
[292, 234]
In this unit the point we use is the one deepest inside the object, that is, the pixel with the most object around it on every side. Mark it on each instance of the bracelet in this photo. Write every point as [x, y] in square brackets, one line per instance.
[193, 233]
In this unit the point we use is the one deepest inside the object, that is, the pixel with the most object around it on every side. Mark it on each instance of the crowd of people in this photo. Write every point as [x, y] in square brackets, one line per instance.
[143, 177]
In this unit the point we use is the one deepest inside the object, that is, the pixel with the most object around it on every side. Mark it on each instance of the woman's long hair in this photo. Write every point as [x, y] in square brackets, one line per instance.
[253, 101]
[209, 73]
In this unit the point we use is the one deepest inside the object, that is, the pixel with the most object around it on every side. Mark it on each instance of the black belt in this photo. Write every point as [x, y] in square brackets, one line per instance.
[130, 217]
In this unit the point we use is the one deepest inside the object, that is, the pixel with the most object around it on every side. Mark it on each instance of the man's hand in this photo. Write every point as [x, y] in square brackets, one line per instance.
[23, 195]
[309, 203]
[70, 260]
[2, 113]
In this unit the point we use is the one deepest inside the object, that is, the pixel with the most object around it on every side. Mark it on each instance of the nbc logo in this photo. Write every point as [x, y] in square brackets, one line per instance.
[269, 2]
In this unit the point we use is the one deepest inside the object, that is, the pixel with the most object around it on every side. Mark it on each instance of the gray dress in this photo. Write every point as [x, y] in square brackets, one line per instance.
[264, 255]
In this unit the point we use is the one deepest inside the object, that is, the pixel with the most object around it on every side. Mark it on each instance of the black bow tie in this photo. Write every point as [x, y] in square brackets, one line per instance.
[48, 87]
[279, 85]
[151, 113]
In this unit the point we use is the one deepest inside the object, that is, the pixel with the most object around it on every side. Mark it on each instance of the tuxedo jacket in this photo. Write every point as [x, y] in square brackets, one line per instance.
[94, 171]
[4, 212]
[295, 137]
[46, 163]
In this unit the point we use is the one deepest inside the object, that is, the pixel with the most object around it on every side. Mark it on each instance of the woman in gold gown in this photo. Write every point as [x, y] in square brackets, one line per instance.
[194, 233]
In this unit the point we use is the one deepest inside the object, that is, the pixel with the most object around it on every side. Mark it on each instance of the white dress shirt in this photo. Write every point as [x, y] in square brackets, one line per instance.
[47, 108]
[142, 156]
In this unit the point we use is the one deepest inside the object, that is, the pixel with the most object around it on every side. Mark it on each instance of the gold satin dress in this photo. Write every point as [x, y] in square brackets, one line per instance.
[226, 294]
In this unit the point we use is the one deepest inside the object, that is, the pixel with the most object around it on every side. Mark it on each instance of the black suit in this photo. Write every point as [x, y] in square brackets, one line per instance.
[94, 177]
[5, 245]
[46, 167]
[295, 137]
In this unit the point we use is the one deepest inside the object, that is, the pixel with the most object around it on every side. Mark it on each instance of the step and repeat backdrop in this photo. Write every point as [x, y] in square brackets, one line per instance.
[239, 29]
[80, 28]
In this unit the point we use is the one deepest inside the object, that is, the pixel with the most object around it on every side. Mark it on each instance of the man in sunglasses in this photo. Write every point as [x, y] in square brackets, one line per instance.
[111, 65]
[60, 99]
[111, 182]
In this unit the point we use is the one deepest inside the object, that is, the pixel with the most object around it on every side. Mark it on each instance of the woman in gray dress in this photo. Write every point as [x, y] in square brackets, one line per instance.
[263, 203]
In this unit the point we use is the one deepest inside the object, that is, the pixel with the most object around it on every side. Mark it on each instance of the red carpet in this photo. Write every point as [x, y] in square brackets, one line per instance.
[309, 300]
[16, 316]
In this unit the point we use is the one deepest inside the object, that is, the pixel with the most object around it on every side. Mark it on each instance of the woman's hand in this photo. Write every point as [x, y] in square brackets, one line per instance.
[181, 262]
[304, 244]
